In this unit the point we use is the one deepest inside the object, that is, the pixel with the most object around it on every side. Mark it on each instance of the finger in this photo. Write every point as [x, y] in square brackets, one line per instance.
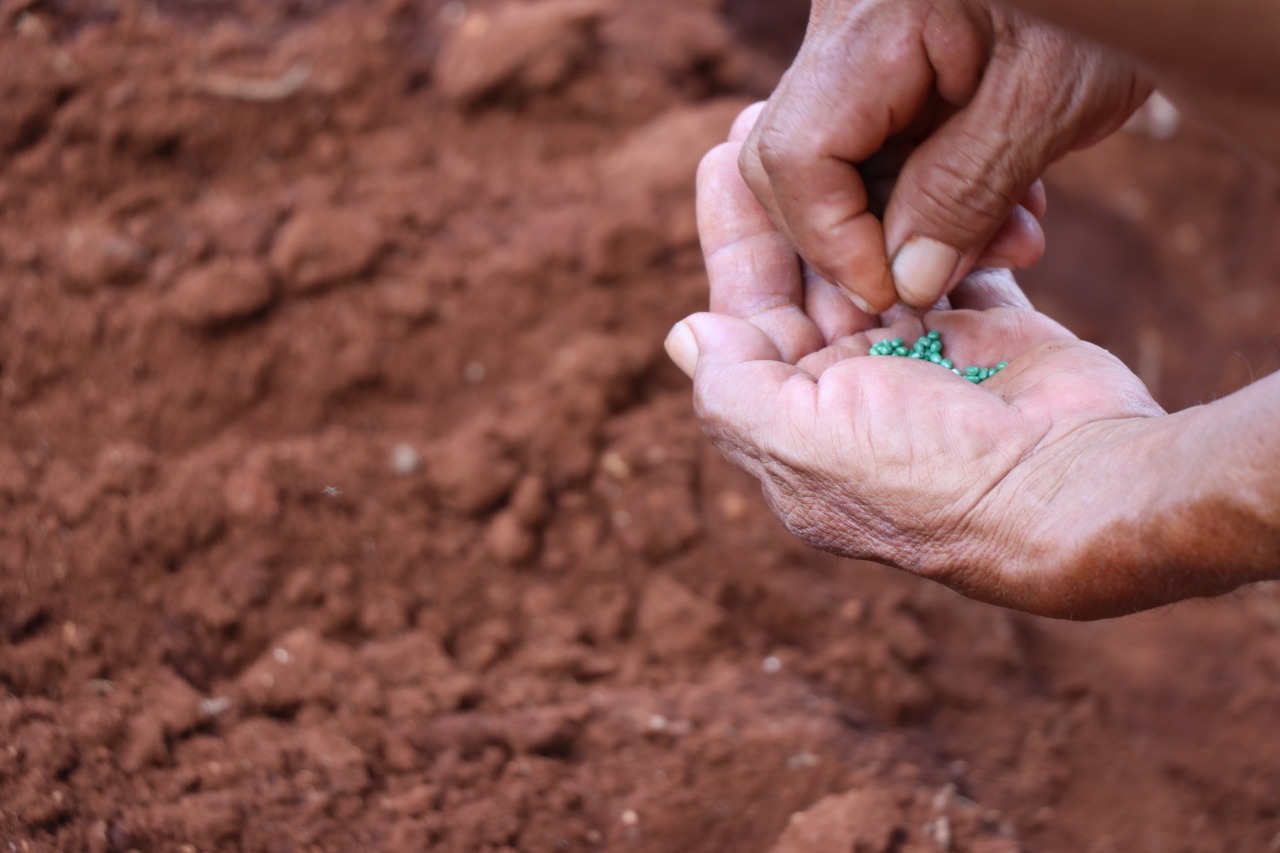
[745, 396]
[757, 179]
[831, 311]
[906, 325]
[899, 312]
[800, 158]
[745, 121]
[820, 201]
[989, 288]
[754, 274]
[1018, 244]
[962, 184]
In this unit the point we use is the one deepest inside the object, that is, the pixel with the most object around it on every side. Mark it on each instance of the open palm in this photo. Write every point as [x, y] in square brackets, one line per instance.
[986, 488]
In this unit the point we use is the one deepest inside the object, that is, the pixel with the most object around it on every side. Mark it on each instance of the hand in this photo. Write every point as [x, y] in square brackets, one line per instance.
[961, 103]
[762, 279]
[1003, 491]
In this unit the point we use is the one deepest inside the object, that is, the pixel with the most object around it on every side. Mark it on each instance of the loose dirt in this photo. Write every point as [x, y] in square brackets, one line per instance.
[349, 503]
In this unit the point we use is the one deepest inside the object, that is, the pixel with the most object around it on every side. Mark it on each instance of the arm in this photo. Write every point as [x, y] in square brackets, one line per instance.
[1124, 514]
[1228, 44]
[1216, 58]
[1215, 516]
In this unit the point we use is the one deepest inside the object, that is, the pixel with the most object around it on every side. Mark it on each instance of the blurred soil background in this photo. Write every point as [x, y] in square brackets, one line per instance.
[347, 500]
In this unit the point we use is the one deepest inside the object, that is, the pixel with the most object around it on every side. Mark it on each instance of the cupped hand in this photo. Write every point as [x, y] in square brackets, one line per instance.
[909, 134]
[993, 489]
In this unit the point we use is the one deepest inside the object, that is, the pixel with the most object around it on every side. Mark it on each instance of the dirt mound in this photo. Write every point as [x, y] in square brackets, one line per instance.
[349, 502]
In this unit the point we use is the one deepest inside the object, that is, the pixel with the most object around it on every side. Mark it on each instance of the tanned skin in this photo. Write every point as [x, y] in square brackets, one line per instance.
[1058, 486]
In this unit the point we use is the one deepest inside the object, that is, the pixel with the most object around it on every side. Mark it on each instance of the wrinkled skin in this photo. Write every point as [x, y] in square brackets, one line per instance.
[988, 489]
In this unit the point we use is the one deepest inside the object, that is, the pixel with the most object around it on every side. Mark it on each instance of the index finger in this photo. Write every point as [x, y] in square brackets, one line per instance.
[754, 273]
[801, 159]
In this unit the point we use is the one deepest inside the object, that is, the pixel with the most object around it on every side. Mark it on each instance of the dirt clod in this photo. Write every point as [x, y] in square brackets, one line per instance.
[221, 292]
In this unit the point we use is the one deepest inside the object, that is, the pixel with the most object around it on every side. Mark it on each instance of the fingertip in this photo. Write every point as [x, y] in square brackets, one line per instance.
[835, 312]
[858, 302]
[682, 348]
[1019, 243]
[923, 269]
[987, 288]
[720, 161]
[746, 121]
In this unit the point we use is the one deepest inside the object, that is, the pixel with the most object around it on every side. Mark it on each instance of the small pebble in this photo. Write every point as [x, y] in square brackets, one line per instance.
[802, 761]
[405, 460]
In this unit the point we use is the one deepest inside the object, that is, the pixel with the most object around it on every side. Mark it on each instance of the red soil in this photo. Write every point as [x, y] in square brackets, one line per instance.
[349, 502]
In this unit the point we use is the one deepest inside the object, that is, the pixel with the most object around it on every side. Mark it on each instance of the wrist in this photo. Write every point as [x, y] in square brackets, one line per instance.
[1144, 516]
[1221, 515]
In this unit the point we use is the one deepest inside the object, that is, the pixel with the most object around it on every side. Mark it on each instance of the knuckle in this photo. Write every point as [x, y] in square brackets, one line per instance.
[775, 145]
[898, 48]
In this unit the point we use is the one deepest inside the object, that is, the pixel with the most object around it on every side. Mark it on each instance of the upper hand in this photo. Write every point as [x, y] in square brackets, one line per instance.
[961, 104]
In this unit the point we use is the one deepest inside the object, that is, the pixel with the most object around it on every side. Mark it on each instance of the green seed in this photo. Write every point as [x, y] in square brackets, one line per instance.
[928, 347]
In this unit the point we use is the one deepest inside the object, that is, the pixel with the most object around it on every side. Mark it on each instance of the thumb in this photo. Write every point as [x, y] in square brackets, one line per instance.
[716, 341]
[1041, 95]
[955, 193]
[739, 378]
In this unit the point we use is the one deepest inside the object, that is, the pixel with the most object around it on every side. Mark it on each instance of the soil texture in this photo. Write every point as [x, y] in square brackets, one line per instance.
[348, 502]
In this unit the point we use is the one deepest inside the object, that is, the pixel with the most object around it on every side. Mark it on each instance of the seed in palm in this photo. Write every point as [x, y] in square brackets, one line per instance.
[929, 348]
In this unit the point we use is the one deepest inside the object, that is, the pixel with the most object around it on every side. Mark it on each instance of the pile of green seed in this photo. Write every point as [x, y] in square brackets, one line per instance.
[929, 348]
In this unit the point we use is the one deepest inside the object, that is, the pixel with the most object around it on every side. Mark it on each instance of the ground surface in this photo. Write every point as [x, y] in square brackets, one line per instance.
[348, 503]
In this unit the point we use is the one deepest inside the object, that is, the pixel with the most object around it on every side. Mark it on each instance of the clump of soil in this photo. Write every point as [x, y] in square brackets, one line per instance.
[349, 503]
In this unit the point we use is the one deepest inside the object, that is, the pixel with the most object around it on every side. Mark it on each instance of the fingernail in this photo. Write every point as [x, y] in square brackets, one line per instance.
[922, 269]
[858, 302]
[682, 347]
[993, 264]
